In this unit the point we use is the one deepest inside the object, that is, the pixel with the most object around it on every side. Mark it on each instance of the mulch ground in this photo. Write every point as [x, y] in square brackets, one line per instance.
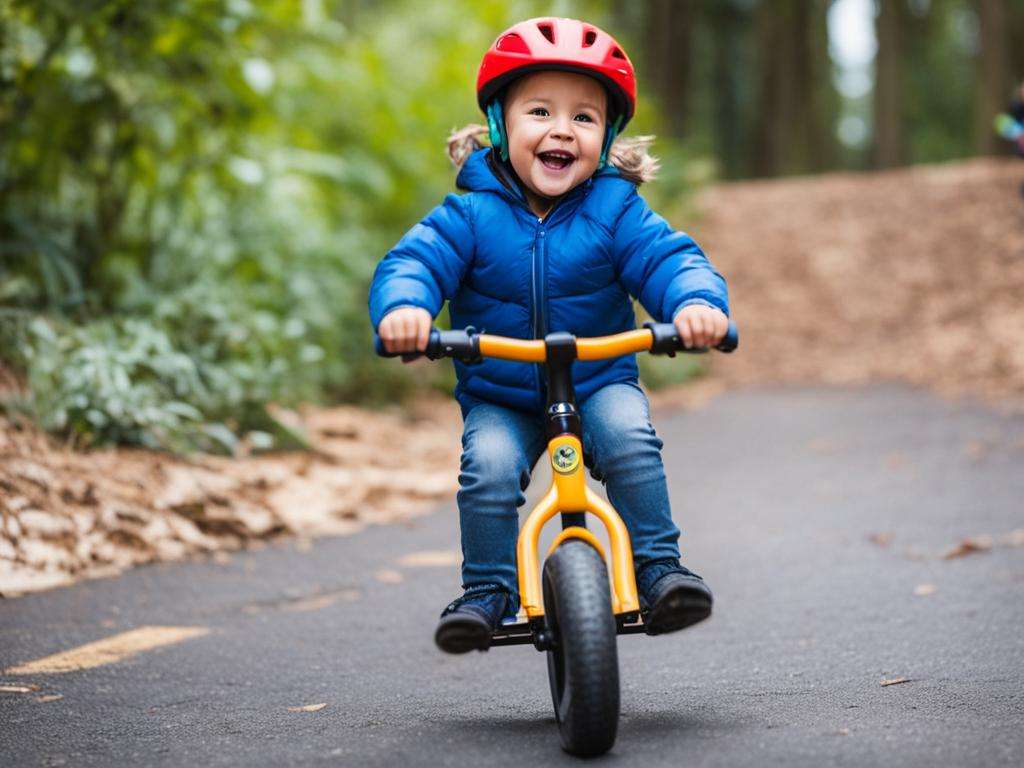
[912, 275]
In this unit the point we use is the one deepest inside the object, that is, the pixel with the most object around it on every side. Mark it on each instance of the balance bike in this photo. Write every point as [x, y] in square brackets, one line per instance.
[567, 610]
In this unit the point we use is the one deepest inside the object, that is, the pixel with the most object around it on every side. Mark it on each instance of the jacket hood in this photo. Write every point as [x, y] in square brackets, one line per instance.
[478, 175]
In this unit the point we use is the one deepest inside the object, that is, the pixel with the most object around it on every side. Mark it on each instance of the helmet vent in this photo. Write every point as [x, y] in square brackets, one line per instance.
[512, 43]
[548, 31]
[589, 37]
[618, 54]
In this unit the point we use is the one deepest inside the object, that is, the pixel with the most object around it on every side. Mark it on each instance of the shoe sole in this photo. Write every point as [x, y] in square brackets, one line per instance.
[462, 636]
[678, 609]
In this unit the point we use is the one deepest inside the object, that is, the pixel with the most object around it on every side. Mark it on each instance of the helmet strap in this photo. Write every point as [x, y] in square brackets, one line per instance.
[611, 132]
[496, 128]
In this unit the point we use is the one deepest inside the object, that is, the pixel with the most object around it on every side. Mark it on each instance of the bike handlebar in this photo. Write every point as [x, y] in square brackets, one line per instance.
[469, 346]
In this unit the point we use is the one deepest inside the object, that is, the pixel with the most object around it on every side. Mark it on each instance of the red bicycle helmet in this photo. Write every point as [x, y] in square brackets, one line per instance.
[562, 44]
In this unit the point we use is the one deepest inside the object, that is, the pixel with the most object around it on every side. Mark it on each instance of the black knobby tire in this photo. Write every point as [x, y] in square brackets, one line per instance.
[583, 668]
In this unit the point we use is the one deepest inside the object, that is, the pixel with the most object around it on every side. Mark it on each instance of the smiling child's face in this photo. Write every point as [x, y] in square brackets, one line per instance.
[555, 123]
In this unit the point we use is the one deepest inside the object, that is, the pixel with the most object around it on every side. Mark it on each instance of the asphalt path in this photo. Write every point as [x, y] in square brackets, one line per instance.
[819, 517]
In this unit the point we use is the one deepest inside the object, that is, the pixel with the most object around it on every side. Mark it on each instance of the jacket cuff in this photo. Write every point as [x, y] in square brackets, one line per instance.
[698, 302]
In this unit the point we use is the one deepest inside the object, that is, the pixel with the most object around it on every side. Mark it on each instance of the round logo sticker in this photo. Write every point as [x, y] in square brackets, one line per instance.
[565, 460]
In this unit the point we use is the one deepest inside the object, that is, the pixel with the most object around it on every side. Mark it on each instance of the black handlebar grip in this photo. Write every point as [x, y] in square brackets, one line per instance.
[378, 345]
[667, 340]
[461, 345]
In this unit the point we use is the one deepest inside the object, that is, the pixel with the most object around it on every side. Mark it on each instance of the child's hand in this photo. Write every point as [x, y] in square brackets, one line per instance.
[700, 326]
[406, 329]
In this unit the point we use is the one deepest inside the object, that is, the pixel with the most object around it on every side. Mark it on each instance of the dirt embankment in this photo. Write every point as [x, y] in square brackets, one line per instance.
[914, 275]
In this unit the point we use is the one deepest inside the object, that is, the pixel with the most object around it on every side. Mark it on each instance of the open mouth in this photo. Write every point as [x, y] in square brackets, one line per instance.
[556, 159]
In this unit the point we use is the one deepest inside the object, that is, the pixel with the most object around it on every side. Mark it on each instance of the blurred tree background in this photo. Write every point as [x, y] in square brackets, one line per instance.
[195, 193]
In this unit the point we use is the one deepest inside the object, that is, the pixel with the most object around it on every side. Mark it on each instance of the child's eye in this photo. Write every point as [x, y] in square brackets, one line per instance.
[539, 111]
[583, 117]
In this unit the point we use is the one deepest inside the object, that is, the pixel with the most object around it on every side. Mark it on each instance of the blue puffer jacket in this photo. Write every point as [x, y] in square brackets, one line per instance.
[508, 273]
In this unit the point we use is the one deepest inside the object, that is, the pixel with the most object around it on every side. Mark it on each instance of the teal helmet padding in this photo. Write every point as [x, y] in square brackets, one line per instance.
[496, 126]
[611, 132]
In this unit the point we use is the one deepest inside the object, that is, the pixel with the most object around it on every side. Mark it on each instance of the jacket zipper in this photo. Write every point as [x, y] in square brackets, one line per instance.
[537, 295]
[540, 276]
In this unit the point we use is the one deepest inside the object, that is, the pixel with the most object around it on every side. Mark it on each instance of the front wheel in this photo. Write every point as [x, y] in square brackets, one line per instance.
[583, 667]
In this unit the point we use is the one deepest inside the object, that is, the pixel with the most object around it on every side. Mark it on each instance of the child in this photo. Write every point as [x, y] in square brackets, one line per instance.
[552, 236]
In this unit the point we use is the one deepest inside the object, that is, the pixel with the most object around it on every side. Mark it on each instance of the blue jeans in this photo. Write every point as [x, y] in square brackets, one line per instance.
[500, 447]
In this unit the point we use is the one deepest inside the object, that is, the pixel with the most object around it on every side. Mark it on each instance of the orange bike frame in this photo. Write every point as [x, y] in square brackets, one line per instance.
[569, 492]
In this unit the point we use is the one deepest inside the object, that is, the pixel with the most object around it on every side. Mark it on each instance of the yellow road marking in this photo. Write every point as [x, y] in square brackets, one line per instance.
[109, 650]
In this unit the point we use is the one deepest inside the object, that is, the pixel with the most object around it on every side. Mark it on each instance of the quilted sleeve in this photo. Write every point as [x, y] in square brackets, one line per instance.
[428, 264]
[665, 269]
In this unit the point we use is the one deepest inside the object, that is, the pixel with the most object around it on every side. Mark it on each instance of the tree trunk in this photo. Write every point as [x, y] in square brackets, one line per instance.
[669, 45]
[889, 140]
[728, 135]
[793, 131]
[993, 74]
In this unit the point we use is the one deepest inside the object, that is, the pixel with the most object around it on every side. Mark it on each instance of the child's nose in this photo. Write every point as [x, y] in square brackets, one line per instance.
[562, 129]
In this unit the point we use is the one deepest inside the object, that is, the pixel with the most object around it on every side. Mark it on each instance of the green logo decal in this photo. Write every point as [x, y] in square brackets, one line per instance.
[565, 460]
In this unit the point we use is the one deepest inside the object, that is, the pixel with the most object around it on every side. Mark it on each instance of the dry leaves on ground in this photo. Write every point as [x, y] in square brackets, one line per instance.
[67, 515]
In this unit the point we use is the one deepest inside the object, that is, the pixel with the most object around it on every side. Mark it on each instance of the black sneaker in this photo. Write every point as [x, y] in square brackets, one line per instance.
[469, 621]
[671, 597]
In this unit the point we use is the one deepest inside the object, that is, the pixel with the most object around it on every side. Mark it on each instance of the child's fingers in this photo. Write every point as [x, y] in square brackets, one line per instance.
[683, 327]
[410, 332]
[697, 325]
[387, 334]
[423, 336]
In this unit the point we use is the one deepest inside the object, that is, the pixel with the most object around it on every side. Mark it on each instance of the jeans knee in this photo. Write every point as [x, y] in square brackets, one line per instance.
[493, 467]
[625, 447]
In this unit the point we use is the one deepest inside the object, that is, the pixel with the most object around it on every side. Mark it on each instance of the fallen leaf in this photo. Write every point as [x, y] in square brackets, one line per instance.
[923, 590]
[388, 576]
[437, 557]
[895, 681]
[18, 688]
[896, 460]
[49, 697]
[968, 546]
[317, 602]
[1014, 538]
[915, 553]
[976, 450]
[881, 539]
[308, 708]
